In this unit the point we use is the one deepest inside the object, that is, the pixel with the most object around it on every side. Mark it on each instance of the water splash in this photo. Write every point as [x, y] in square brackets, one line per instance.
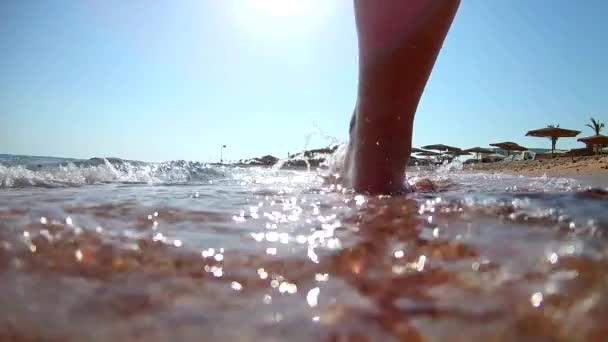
[102, 170]
[282, 162]
[333, 161]
[450, 166]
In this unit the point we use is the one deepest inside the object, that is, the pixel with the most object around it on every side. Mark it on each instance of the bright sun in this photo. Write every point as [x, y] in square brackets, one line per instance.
[282, 8]
[282, 18]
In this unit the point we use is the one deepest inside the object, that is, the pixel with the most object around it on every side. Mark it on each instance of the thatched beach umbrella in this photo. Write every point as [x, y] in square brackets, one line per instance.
[428, 154]
[442, 148]
[417, 150]
[594, 140]
[478, 151]
[509, 146]
[553, 132]
[458, 153]
[515, 146]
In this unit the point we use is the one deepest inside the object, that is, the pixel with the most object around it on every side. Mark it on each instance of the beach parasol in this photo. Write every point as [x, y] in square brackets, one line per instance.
[428, 154]
[478, 151]
[509, 146]
[595, 140]
[458, 153]
[515, 146]
[441, 147]
[417, 150]
[553, 132]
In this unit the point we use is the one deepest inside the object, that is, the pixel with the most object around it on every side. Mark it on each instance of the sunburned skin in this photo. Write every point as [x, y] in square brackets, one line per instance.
[399, 41]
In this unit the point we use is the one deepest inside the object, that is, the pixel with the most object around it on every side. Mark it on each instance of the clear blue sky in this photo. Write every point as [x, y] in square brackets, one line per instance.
[161, 80]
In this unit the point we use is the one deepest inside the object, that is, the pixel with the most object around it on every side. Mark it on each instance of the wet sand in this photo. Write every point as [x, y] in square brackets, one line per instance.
[406, 276]
[590, 168]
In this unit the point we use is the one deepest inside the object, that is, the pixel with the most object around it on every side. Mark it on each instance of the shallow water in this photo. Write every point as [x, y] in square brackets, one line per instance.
[101, 250]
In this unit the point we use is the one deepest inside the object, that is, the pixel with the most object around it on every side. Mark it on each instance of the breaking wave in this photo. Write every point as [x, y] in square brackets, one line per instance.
[103, 171]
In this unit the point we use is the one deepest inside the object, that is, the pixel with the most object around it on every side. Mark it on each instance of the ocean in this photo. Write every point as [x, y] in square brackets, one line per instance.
[108, 249]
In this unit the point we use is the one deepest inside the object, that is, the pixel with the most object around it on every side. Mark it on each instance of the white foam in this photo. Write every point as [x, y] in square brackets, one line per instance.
[125, 172]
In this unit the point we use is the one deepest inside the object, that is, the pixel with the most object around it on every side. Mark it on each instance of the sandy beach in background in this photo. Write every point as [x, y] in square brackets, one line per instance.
[591, 168]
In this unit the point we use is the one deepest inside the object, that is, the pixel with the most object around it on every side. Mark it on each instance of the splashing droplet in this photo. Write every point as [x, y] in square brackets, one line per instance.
[313, 297]
[536, 299]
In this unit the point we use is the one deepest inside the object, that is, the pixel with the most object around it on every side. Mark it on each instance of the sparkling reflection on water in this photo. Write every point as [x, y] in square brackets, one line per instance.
[261, 254]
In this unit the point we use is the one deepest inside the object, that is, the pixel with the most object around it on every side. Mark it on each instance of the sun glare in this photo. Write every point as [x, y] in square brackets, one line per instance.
[282, 8]
[282, 17]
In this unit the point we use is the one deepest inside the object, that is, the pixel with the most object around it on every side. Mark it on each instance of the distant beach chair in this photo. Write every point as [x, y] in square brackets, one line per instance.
[529, 155]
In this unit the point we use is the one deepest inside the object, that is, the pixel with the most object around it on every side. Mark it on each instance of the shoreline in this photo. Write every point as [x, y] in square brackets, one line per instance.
[592, 170]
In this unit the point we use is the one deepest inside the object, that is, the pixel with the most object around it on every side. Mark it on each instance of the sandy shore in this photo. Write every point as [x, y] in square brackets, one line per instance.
[594, 166]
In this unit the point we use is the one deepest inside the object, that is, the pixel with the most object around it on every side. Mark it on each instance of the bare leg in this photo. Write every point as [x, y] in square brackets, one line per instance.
[399, 41]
